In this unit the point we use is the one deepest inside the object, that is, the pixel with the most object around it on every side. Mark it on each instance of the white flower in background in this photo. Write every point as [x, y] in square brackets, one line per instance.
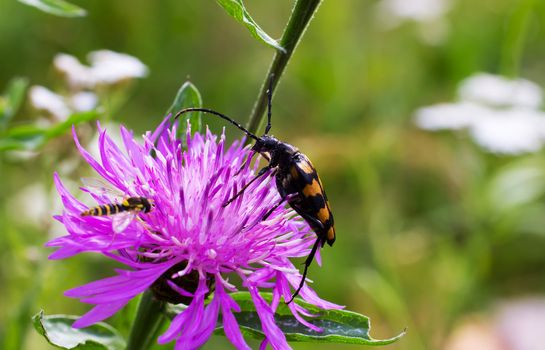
[452, 116]
[44, 99]
[429, 15]
[520, 324]
[77, 74]
[512, 131]
[515, 325]
[416, 10]
[60, 107]
[502, 115]
[106, 68]
[498, 91]
[83, 101]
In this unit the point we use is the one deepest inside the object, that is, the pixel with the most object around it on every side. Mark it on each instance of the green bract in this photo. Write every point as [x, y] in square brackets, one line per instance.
[58, 331]
[188, 96]
[56, 7]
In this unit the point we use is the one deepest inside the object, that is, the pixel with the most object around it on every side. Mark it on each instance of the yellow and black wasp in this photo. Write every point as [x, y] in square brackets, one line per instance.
[297, 182]
[124, 212]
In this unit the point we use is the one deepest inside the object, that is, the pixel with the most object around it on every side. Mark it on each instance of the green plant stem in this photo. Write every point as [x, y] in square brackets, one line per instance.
[147, 323]
[517, 31]
[300, 18]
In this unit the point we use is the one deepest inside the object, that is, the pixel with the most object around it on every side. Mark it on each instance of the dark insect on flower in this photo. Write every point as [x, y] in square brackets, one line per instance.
[124, 212]
[297, 182]
[188, 247]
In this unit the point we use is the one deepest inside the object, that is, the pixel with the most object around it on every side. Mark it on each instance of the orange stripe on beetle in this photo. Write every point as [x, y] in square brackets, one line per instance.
[306, 167]
[313, 189]
[331, 234]
[323, 215]
[294, 173]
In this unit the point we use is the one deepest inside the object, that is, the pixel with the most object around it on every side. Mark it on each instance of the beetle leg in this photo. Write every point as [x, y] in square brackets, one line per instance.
[308, 261]
[261, 173]
[310, 257]
[267, 158]
[311, 219]
[246, 162]
[288, 197]
[249, 159]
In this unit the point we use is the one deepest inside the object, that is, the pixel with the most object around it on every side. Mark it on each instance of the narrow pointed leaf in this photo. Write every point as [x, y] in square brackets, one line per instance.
[32, 137]
[58, 331]
[56, 7]
[188, 96]
[12, 99]
[236, 9]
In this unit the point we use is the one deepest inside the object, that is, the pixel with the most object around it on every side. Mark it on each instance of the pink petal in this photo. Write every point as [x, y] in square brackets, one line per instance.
[99, 313]
[230, 324]
[208, 323]
[92, 162]
[274, 335]
[185, 321]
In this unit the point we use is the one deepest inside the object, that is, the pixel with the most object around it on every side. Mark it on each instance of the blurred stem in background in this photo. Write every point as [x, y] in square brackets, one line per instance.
[300, 18]
[516, 33]
[149, 317]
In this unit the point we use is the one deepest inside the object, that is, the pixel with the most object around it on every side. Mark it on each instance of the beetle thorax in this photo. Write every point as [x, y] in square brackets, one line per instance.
[276, 150]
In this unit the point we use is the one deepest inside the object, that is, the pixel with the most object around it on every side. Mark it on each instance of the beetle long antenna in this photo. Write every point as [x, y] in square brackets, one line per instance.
[223, 116]
[269, 98]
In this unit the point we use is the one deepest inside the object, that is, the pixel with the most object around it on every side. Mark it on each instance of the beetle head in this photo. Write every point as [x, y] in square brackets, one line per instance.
[265, 143]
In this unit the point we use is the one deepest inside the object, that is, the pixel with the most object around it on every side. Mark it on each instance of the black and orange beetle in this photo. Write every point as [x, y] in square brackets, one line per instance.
[297, 182]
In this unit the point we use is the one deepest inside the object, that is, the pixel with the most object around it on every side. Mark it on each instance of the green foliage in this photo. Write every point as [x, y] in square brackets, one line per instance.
[56, 7]
[32, 137]
[147, 322]
[409, 205]
[339, 326]
[236, 9]
[188, 96]
[58, 331]
[302, 13]
[11, 100]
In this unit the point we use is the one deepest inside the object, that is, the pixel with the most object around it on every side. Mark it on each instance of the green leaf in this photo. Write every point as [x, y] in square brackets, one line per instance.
[188, 96]
[339, 326]
[12, 99]
[76, 118]
[503, 190]
[58, 331]
[56, 7]
[236, 9]
[24, 137]
[31, 137]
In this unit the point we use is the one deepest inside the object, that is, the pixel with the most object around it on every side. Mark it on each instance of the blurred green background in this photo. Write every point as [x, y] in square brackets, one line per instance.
[427, 234]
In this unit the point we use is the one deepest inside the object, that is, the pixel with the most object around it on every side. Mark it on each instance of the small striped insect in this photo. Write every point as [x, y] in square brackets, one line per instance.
[124, 212]
[297, 182]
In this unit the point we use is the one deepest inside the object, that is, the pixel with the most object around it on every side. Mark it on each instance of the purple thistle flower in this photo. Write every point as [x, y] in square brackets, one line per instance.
[187, 245]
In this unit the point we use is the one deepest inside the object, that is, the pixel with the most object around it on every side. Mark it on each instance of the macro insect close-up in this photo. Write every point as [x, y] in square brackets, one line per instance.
[124, 212]
[153, 197]
[296, 179]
